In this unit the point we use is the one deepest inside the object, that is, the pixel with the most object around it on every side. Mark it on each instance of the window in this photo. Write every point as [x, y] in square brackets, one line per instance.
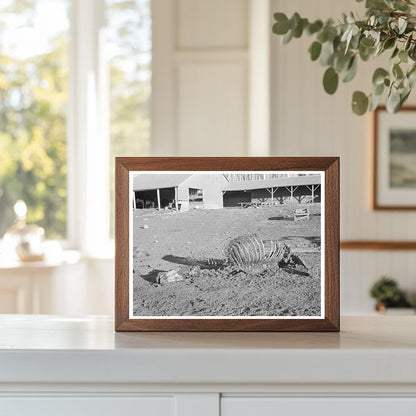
[33, 102]
[75, 87]
[196, 197]
[129, 43]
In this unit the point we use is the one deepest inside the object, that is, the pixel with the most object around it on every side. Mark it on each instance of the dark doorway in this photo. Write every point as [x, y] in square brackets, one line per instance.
[235, 198]
[148, 199]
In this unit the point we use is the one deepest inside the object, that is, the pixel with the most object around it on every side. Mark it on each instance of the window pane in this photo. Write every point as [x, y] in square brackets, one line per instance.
[129, 45]
[33, 100]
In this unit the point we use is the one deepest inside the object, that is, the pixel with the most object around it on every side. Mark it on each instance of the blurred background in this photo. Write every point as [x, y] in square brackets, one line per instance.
[83, 81]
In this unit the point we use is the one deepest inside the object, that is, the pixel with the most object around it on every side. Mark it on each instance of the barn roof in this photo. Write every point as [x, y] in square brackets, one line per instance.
[272, 183]
[146, 181]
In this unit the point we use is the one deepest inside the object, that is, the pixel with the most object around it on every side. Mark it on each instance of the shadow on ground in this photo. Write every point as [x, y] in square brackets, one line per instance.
[188, 261]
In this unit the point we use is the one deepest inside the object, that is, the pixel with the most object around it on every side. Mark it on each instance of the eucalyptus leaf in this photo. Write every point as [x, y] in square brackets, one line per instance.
[352, 31]
[389, 43]
[378, 89]
[376, 4]
[408, 42]
[315, 50]
[288, 37]
[400, 5]
[395, 52]
[379, 75]
[330, 80]
[411, 78]
[298, 30]
[359, 103]
[403, 56]
[412, 70]
[294, 20]
[397, 71]
[322, 36]
[355, 41]
[393, 101]
[314, 27]
[327, 54]
[402, 22]
[342, 62]
[281, 27]
[404, 96]
[350, 18]
[376, 36]
[350, 73]
[347, 34]
[374, 102]
[366, 53]
[412, 52]
[367, 42]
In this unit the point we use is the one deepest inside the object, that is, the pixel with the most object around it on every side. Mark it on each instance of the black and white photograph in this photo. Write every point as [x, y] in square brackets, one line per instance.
[226, 244]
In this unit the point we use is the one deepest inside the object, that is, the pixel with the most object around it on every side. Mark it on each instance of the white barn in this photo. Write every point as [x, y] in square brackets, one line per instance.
[184, 191]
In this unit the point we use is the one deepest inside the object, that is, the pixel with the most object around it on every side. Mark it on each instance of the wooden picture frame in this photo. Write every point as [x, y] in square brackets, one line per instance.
[394, 184]
[301, 169]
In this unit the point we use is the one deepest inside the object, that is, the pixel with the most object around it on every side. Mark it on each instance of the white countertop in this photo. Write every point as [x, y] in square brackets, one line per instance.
[52, 349]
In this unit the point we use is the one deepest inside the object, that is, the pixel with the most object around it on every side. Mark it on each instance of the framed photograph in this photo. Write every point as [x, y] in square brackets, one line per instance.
[227, 244]
[394, 179]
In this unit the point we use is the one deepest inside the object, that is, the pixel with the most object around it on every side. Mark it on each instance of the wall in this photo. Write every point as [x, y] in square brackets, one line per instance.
[212, 187]
[219, 76]
[203, 89]
[223, 76]
[308, 122]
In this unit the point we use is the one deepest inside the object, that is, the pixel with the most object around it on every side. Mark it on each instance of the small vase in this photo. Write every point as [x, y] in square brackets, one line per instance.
[26, 241]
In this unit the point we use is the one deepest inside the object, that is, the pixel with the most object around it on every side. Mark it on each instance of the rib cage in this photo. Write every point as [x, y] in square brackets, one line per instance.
[250, 252]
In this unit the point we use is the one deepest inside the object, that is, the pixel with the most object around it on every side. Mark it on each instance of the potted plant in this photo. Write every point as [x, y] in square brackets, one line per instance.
[387, 294]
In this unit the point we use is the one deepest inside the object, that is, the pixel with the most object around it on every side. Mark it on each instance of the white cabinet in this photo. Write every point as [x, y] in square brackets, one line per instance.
[68, 286]
[26, 291]
[87, 406]
[270, 406]
[79, 366]
[34, 287]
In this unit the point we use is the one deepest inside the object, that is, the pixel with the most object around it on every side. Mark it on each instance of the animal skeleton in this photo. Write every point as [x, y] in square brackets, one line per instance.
[250, 252]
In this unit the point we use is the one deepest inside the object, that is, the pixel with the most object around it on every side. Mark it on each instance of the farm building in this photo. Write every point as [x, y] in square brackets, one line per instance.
[280, 190]
[213, 191]
[177, 190]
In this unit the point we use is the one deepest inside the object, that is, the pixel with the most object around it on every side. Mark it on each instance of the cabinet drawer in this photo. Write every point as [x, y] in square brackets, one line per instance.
[273, 406]
[87, 406]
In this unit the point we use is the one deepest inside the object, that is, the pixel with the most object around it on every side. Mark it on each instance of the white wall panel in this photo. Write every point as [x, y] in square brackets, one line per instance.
[308, 122]
[200, 77]
[212, 108]
[212, 24]
[359, 270]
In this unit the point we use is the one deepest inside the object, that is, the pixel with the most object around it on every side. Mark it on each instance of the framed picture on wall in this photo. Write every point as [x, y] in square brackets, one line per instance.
[394, 177]
[227, 244]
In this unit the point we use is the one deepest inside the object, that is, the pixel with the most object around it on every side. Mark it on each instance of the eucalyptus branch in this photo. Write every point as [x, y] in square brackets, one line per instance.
[389, 25]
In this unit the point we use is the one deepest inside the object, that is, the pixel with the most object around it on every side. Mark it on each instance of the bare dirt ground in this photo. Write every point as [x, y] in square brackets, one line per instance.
[182, 242]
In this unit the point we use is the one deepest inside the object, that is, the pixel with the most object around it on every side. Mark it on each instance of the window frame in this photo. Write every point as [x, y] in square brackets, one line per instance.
[88, 133]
